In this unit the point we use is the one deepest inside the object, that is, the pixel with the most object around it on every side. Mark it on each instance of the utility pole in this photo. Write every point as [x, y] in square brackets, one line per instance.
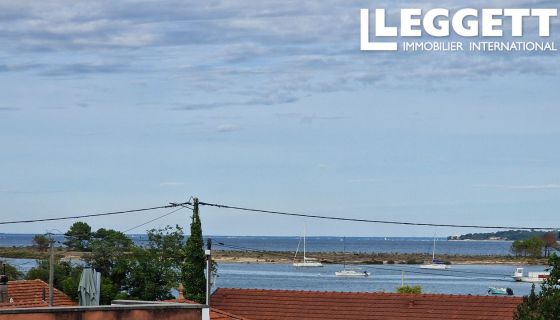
[51, 274]
[208, 267]
[195, 206]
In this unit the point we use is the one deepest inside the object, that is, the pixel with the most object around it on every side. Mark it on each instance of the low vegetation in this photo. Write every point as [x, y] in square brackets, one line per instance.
[410, 289]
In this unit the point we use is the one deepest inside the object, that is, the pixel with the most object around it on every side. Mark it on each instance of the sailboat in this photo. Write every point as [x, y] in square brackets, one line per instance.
[306, 262]
[354, 273]
[436, 264]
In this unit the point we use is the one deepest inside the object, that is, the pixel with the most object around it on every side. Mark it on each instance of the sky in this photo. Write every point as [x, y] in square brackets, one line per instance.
[268, 104]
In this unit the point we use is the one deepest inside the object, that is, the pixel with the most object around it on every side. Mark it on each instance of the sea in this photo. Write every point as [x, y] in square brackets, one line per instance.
[459, 279]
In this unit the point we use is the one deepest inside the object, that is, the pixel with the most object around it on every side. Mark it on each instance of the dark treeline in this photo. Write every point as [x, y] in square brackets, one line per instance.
[504, 235]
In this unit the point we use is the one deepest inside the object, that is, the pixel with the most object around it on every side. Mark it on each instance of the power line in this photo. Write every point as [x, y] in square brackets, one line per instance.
[301, 215]
[155, 219]
[172, 205]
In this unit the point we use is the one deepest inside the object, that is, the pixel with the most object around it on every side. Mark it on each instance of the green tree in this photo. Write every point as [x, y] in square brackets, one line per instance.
[532, 247]
[193, 277]
[66, 276]
[12, 272]
[111, 254]
[41, 242]
[78, 236]
[155, 269]
[410, 289]
[535, 246]
[544, 305]
[519, 248]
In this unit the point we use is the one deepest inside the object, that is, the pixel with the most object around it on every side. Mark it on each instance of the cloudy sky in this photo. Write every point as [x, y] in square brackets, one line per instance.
[269, 104]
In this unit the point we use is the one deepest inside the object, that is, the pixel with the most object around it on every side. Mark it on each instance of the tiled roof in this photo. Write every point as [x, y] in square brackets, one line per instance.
[29, 294]
[301, 305]
[215, 314]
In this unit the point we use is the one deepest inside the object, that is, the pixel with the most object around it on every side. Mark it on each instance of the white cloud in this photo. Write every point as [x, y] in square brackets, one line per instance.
[230, 127]
[171, 184]
[549, 186]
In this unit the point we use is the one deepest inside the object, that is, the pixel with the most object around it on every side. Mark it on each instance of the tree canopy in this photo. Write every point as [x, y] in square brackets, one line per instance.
[532, 247]
[78, 236]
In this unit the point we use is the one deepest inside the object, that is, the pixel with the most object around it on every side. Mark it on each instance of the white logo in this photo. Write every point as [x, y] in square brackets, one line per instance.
[439, 23]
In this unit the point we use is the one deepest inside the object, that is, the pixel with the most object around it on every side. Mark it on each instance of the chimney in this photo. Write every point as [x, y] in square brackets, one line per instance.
[4, 287]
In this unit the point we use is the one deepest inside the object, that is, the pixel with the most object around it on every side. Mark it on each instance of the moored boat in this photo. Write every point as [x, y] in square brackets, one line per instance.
[352, 273]
[533, 277]
[436, 264]
[500, 291]
[306, 262]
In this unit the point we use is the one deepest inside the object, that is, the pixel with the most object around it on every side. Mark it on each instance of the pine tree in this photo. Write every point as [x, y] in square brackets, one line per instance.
[194, 279]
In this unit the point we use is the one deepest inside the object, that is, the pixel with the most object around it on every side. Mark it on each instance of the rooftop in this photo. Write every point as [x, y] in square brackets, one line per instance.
[285, 304]
[29, 294]
[215, 314]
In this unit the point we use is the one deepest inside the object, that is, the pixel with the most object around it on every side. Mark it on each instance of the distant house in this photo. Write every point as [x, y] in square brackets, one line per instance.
[301, 305]
[32, 294]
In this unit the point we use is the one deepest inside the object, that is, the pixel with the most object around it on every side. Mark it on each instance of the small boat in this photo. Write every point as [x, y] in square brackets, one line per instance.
[500, 291]
[436, 264]
[352, 273]
[533, 277]
[306, 262]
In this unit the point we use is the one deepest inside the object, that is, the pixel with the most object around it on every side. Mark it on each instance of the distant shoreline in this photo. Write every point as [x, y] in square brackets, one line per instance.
[369, 258]
[287, 257]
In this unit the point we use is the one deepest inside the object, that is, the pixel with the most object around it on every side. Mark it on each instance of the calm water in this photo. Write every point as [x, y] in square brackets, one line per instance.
[369, 245]
[325, 244]
[460, 279]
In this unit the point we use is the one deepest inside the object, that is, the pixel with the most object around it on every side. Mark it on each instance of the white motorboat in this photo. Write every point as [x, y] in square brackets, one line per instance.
[436, 264]
[532, 277]
[306, 262]
[352, 273]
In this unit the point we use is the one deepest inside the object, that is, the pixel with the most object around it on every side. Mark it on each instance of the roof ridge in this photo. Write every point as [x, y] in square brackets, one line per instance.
[407, 295]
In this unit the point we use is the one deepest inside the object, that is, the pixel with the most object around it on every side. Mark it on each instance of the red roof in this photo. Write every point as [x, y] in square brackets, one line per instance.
[29, 294]
[283, 304]
[215, 314]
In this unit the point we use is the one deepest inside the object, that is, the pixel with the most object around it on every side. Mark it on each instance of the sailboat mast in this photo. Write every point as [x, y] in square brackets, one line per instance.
[304, 234]
[434, 250]
[344, 246]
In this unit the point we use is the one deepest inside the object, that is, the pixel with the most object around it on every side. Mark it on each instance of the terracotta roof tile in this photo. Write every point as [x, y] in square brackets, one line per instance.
[29, 294]
[284, 304]
[215, 314]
